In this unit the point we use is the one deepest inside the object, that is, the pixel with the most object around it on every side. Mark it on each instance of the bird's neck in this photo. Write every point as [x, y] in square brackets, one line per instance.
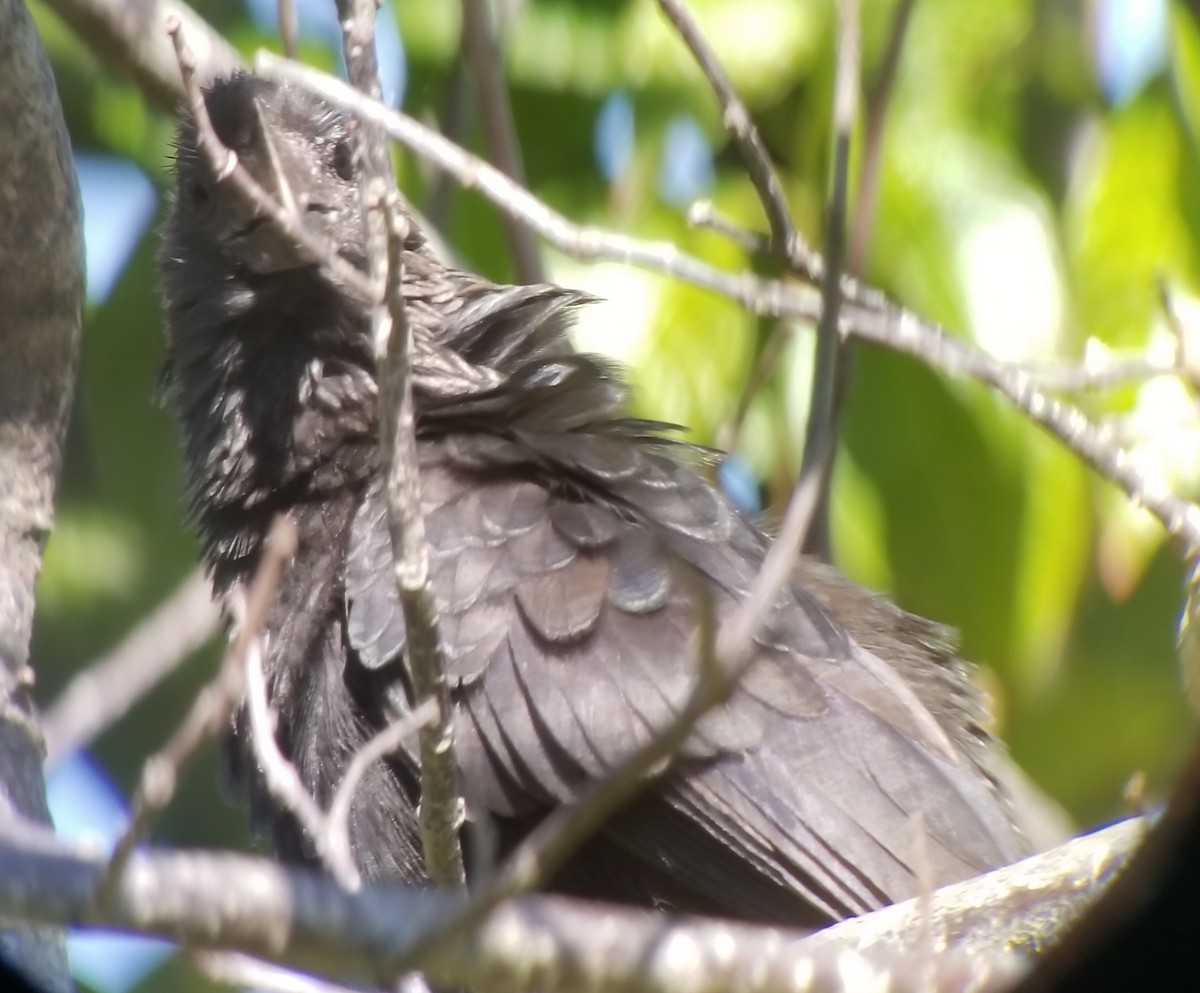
[273, 428]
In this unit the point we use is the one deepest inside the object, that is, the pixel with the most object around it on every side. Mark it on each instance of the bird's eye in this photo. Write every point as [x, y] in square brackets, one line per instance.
[196, 193]
[343, 160]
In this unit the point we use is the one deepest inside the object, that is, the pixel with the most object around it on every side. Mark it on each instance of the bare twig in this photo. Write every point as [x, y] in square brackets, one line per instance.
[759, 296]
[821, 430]
[1096, 375]
[702, 214]
[764, 365]
[328, 831]
[1185, 342]
[878, 97]
[738, 635]
[211, 709]
[284, 782]
[482, 46]
[387, 227]
[902, 331]
[786, 243]
[455, 122]
[337, 822]
[105, 690]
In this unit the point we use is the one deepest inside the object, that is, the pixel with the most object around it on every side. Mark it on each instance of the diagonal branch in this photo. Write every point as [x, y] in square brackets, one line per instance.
[759, 296]
[867, 314]
[103, 692]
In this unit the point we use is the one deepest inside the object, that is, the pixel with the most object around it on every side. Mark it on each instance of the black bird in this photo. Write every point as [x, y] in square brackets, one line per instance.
[567, 541]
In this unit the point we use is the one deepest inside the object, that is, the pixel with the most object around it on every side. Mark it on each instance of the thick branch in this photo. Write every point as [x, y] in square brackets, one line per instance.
[41, 286]
[129, 39]
[552, 944]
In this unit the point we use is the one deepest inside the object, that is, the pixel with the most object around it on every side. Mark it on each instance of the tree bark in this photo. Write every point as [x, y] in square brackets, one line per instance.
[41, 286]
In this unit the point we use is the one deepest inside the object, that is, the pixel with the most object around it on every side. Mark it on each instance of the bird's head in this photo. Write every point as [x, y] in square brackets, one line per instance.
[297, 148]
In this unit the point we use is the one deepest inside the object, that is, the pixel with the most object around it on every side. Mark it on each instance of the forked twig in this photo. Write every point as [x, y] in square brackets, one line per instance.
[787, 245]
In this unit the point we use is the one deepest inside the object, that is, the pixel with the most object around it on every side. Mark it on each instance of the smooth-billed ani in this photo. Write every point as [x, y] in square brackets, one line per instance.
[567, 542]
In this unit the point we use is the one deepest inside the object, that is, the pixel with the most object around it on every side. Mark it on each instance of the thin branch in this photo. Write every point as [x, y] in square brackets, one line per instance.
[878, 98]
[337, 821]
[329, 831]
[786, 243]
[284, 782]
[702, 214]
[211, 709]
[441, 808]
[482, 46]
[1093, 375]
[304, 920]
[759, 296]
[768, 357]
[738, 635]
[867, 314]
[821, 429]
[1185, 344]
[454, 122]
[103, 692]
[902, 331]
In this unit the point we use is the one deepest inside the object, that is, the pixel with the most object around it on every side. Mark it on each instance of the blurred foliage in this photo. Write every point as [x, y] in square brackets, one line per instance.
[1016, 204]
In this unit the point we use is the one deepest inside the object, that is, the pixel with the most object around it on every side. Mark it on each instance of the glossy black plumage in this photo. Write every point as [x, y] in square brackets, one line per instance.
[567, 541]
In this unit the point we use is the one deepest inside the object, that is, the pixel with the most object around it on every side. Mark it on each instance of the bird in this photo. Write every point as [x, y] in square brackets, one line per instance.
[574, 549]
